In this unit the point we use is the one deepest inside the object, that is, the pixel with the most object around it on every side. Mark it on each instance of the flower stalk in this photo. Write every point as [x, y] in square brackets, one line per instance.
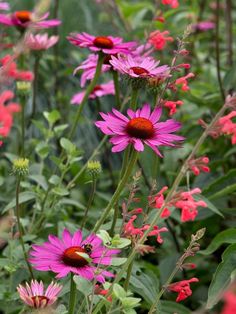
[72, 299]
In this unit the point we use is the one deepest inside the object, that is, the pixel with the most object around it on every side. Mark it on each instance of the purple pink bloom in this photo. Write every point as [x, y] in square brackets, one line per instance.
[98, 91]
[182, 288]
[4, 6]
[159, 39]
[71, 254]
[139, 128]
[107, 44]
[34, 295]
[40, 41]
[140, 67]
[25, 19]
[204, 26]
[89, 68]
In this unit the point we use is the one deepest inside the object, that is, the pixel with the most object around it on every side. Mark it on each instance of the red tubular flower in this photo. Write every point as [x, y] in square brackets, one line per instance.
[172, 105]
[183, 81]
[199, 164]
[182, 288]
[159, 39]
[172, 3]
[228, 127]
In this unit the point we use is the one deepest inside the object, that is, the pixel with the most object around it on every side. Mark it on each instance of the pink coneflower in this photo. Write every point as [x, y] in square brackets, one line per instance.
[40, 41]
[33, 294]
[4, 6]
[72, 254]
[107, 44]
[24, 19]
[89, 68]
[138, 67]
[98, 91]
[142, 127]
[203, 26]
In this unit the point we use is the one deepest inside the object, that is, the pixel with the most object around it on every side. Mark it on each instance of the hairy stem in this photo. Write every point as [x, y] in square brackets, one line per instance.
[90, 201]
[72, 299]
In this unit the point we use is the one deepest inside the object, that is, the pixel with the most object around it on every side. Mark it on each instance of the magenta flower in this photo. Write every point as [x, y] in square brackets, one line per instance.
[203, 26]
[26, 19]
[72, 254]
[40, 41]
[138, 67]
[34, 295]
[107, 44]
[89, 68]
[142, 127]
[4, 6]
[98, 91]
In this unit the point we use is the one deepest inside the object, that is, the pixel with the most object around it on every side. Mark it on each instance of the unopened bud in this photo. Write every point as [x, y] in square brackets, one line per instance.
[23, 87]
[20, 167]
[94, 168]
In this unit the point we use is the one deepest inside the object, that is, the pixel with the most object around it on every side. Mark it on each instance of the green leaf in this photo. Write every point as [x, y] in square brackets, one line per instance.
[42, 149]
[67, 145]
[130, 302]
[23, 198]
[169, 307]
[226, 236]
[52, 117]
[40, 180]
[226, 191]
[209, 204]
[118, 291]
[222, 276]
[83, 285]
[145, 284]
[117, 261]
[60, 191]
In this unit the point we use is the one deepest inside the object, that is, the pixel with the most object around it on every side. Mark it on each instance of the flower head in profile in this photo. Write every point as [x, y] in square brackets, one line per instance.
[139, 128]
[40, 41]
[25, 19]
[72, 254]
[98, 91]
[107, 44]
[88, 67]
[141, 67]
[35, 296]
[182, 288]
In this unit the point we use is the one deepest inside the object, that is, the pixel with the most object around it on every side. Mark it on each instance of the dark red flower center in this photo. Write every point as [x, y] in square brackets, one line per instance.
[140, 128]
[39, 299]
[139, 70]
[23, 16]
[103, 42]
[96, 88]
[72, 256]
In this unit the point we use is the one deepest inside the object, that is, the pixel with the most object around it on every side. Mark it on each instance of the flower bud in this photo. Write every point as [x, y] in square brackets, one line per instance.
[20, 167]
[23, 87]
[94, 168]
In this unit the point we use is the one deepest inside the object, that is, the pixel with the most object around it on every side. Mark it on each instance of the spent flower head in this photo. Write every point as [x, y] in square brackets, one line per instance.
[94, 168]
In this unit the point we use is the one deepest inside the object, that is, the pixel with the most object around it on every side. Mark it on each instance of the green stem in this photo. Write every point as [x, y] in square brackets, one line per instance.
[87, 93]
[117, 88]
[35, 84]
[90, 201]
[118, 191]
[72, 300]
[128, 275]
[22, 149]
[134, 97]
[19, 227]
[175, 185]
[123, 168]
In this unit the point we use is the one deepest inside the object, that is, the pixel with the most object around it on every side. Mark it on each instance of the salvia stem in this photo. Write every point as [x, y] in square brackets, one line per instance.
[72, 299]
[22, 148]
[87, 93]
[156, 218]
[19, 227]
[118, 191]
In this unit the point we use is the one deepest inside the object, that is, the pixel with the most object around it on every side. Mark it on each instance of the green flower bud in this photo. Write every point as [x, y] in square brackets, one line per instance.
[20, 167]
[94, 168]
[23, 87]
